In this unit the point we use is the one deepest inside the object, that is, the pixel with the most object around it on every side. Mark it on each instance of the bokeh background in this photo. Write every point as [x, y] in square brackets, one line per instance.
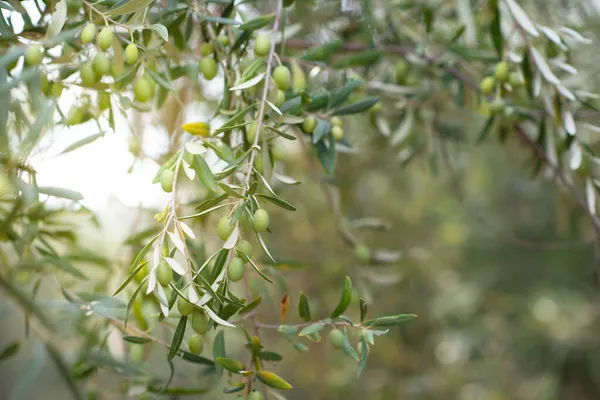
[496, 262]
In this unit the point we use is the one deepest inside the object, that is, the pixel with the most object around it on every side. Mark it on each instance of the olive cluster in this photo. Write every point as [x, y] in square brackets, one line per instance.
[502, 75]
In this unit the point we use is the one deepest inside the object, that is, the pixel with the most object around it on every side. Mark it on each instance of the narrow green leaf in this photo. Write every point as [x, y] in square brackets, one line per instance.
[177, 337]
[312, 328]
[485, 131]
[273, 380]
[363, 356]
[321, 53]
[323, 128]
[363, 309]
[364, 58]
[277, 201]
[136, 339]
[160, 80]
[230, 364]
[288, 329]
[204, 173]
[303, 307]
[83, 142]
[193, 358]
[527, 74]
[357, 107]
[220, 20]
[256, 23]
[219, 350]
[60, 192]
[270, 356]
[131, 301]
[496, 32]
[129, 7]
[391, 320]
[345, 300]
[338, 96]
[251, 306]
[161, 30]
[348, 349]
[327, 154]
[170, 162]
[10, 350]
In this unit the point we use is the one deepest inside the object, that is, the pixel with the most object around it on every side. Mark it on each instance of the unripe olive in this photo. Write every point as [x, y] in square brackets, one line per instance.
[497, 106]
[207, 49]
[101, 64]
[251, 132]
[208, 67]
[336, 121]
[75, 116]
[199, 322]
[280, 98]
[235, 269]
[278, 152]
[224, 40]
[261, 220]
[487, 85]
[131, 53]
[142, 88]
[258, 164]
[224, 228]
[88, 76]
[103, 100]
[136, 353]
[44, 84]
[309, 124]
[514, 79]
[34, 55]
[256, 395]
[262, 45]
[88, 33]
[401, 71]
[196, 344]
[184, 307]
[56, 89]
[166, 180]
[164, 273]
[336, 337]
[501, 72]
[282, 77]
[245, 247]
[338, 132]
[363, 253]
[105, 38]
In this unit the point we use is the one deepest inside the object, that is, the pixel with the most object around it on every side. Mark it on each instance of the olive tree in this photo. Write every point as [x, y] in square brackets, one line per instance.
[292, 75]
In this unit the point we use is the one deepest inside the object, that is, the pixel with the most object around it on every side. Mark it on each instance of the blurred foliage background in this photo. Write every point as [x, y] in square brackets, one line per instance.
[496, 262]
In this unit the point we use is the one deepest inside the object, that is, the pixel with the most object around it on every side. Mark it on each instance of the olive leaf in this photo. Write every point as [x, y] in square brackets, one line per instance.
[345, 300]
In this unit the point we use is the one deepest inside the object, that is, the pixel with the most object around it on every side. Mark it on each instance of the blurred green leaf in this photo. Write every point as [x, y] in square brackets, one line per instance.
[345, 300]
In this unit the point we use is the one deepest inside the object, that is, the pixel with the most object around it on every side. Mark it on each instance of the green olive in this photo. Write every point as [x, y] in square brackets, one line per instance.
[280, 98]
[282, 77]
[166, 180]
[224, 228]
[336, 121]
[501, 72]
[402, 68]
[245, 247]
[487, 85]
[262, 45]
[497, 106]
[261, 220]
[34, 55]
[207, 49]
[105, 38]
[278, 152]
[75, 116]
[164, 273]
[200, 322]
[251, 132]
[338, 133]
[137, 353]
[235, 269]
[224, 40]
[56, 89]
[196, 344]
[363, 253]
[44, 84]
[131, 54]
[103, 100]
[88, 33]
[184, 307]
[87, 74]
[336, 337]
[142, 88]
[101, 64]
[309, 125]
[208, 67]
[514, 79]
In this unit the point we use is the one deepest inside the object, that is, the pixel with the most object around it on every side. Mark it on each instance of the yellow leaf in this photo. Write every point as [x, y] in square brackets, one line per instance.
[273, 380]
